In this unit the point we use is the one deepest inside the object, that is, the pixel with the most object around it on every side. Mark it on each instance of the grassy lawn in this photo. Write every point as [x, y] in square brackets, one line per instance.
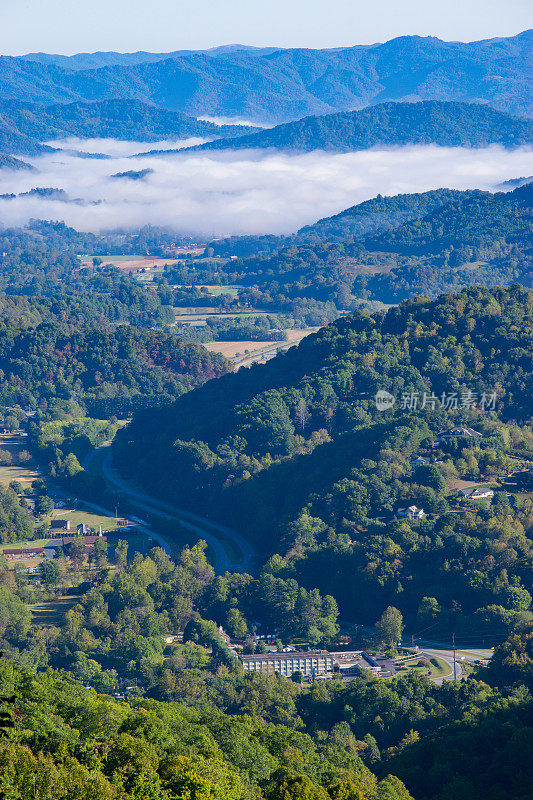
[26, 472]
[439, 670]
[32, 543]
[231, 549]
[18, 473]
[53, 611]
[76, 517]
[216, 291]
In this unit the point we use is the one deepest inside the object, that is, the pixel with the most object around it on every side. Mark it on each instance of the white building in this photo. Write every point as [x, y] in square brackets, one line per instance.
[458, 433]
[478, 493]
[413, 512]
[312, 662]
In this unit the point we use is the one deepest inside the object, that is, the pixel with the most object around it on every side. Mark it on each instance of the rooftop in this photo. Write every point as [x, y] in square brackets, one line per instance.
[286, 656]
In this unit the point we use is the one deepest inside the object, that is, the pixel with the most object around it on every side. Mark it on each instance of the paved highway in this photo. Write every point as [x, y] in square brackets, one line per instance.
[232, 553]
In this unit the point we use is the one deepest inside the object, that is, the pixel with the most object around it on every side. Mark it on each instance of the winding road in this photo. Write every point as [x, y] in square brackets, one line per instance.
[231, 551]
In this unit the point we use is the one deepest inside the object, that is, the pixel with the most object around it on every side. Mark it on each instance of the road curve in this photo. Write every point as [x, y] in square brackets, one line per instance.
[446, 656]
[231, 550]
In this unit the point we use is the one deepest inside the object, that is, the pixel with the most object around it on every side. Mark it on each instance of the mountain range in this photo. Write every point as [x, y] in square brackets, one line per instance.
[391, 124]
[279, 85]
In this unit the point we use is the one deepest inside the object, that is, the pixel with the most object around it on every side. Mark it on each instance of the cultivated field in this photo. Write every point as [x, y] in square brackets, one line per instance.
[130, 263]
[235, 349]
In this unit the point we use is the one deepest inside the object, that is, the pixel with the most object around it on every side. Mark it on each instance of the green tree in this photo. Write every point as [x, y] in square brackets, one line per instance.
[389, 627]
[49, 572]
[121, 553]
[43, 505]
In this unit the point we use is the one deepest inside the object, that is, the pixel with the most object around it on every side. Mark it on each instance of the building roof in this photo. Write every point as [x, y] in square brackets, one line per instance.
[286, 656]
[66, 540]
[460, 432]
[478, 492]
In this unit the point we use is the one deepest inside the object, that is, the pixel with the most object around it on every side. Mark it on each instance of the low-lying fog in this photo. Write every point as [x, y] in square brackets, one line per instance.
[118, 147]
[238, 192]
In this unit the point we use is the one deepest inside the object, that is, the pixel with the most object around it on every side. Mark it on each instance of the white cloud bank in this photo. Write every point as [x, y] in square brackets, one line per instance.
[119, 147]
[239, 192]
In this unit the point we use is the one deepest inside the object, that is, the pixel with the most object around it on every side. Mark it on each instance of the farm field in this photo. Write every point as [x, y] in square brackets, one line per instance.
[130, 263]
[458, 483]
[199, 315]
[26, 472]
[234, 349]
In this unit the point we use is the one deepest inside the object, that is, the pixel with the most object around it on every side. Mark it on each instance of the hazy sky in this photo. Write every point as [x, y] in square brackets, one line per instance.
[71, 26]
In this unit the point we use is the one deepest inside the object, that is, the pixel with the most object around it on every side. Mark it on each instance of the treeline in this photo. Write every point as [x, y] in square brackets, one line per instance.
[296, 454]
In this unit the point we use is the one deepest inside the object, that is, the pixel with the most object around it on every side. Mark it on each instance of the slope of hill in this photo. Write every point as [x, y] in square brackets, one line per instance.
[297, 456]
[388, 249]
[391, 124]
[24, 125]
[162, 750]
[14, 140]
[370, 217]
[8, 162]
[289, 84]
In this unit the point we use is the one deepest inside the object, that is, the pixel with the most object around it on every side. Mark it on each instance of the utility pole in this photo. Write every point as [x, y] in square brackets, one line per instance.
[454, 664]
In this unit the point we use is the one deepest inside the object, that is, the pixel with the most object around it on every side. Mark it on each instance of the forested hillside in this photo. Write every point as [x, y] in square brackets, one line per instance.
[69, 743]
[385, 249]
[8, 162]
[391, 125]
[87, 340]
[104, 372]
[41, 261]
[372, 216]
[296, 455]
[278, 85]
[221, 734]
[24, 125]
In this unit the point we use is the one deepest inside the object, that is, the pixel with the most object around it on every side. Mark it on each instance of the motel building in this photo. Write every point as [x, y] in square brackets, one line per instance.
[313, 662]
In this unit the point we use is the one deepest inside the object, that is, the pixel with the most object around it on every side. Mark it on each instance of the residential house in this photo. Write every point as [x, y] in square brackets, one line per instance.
[413, 512]
[478, 493]
[60, 524]
[458, 433]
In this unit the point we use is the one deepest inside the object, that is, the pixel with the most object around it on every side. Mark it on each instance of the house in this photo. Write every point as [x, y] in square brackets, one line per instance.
[413, 512]
[224, 635]
[310, 663]
[458, 433]
[421, 461]
[14, 553]
[478, 493]
[64, 543]
[60, 524]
